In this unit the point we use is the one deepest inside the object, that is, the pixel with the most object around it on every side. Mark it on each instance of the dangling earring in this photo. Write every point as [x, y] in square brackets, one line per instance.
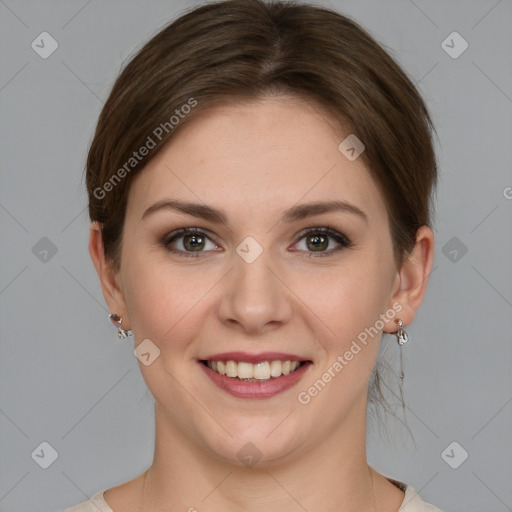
[402, 339]
[121, 333]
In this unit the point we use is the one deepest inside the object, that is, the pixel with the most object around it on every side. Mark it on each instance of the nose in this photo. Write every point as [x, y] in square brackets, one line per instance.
[254, 296]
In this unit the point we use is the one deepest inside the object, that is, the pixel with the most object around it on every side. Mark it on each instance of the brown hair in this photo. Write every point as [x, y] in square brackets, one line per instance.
[236, 50]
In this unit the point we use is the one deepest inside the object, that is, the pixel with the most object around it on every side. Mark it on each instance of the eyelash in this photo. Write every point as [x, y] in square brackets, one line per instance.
[343, 241]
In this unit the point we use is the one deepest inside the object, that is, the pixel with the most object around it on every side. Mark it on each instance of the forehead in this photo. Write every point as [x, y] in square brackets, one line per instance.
[259, 156]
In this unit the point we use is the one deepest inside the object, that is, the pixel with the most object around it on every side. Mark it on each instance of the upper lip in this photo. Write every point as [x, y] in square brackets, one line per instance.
[254, 358]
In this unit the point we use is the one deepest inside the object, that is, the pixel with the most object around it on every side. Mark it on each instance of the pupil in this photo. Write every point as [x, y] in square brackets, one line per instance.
[195, 241]
[318, 239]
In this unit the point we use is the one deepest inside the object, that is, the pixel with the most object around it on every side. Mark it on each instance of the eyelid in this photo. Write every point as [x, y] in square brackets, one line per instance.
[334, 233]
[176, 233]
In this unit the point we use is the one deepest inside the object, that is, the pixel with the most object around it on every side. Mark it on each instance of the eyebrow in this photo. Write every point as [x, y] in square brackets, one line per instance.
[295, 213]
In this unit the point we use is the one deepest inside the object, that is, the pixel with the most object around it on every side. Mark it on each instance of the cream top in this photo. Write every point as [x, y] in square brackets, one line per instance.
[412, 502]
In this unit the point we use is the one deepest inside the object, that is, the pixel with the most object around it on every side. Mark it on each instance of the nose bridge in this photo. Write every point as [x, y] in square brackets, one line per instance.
[255, 295]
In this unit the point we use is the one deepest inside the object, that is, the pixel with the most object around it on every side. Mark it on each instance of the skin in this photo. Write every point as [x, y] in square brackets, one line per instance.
[253, 160]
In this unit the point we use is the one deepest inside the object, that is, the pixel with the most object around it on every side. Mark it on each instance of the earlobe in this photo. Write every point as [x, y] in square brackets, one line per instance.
[106, 274]
[413, 276]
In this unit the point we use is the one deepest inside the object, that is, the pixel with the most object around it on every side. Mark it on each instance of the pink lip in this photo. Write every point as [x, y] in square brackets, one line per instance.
[254, 358]
[255, 390]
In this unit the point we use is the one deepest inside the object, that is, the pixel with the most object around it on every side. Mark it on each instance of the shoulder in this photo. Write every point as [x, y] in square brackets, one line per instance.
[414, 503]
[95, 504]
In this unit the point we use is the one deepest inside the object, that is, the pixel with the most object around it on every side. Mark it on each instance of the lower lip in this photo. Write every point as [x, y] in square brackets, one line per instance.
[267, 389]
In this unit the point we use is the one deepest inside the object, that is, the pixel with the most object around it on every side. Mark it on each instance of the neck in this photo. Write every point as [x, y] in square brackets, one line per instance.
[333, 475]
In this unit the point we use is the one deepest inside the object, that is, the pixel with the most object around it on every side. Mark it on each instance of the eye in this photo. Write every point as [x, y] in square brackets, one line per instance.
[317, 240]
[190, 242]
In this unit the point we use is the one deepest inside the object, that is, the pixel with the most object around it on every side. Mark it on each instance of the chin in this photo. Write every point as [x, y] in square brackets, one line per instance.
[256, 444]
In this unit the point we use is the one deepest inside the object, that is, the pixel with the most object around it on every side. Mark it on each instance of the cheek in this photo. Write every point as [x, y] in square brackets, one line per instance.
[165, 301]
[349, 307]
[348, 299]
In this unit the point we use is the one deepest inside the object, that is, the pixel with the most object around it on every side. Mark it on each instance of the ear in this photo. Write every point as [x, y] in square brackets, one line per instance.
[411, 280]
[109, 278]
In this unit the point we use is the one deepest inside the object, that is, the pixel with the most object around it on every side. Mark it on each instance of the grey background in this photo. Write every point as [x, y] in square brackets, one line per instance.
[67, 380]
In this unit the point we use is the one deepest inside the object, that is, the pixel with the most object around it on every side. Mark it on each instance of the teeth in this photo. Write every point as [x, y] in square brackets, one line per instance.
[261, 370]
[275, 368]
[253, 372]
[245, 370]
[231, 369]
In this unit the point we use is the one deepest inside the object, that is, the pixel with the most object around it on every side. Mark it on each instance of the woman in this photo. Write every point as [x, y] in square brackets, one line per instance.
[259, 189]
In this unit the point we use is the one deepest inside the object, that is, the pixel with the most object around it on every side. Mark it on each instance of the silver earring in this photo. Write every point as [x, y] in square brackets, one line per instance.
[401, 339]
[121, 333]
[401, 335]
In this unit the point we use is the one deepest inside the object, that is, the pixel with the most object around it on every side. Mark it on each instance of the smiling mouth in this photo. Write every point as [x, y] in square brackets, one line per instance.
[249, 372]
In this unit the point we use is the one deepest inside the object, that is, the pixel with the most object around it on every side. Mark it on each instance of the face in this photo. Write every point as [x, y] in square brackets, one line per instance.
[260, 276]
